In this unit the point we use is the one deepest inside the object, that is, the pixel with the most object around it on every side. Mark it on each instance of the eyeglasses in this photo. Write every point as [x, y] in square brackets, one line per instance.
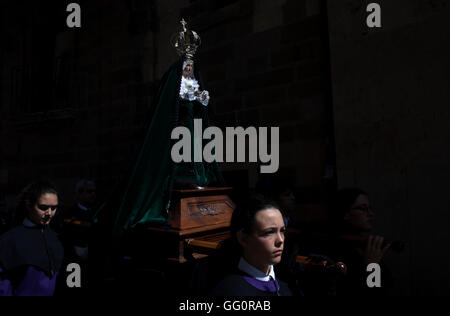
[44, 207]
[363, 208]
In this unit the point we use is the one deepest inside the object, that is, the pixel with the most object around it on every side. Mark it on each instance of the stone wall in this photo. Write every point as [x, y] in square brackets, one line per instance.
[263, 62]
[390, 96]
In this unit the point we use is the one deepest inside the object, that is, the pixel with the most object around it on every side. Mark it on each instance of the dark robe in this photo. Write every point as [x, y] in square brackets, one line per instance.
[30, 260]
[241, 284]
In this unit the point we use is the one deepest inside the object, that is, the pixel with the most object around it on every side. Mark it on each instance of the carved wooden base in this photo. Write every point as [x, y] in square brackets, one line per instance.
[200, 208]
[204, 213]
[174, 245]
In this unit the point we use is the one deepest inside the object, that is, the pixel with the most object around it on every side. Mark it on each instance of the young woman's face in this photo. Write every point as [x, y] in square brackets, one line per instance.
[264, 246]
[42, 212]
[360, 215]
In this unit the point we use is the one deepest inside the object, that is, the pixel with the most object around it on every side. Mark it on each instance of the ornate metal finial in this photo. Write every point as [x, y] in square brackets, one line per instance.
[183, 23]
[186, 42]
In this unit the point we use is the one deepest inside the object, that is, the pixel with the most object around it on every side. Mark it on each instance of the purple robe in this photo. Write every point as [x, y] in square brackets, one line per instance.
[30, 258]
[30, 282]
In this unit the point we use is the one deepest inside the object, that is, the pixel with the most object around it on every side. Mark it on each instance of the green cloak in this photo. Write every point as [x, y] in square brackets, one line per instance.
[142, 196]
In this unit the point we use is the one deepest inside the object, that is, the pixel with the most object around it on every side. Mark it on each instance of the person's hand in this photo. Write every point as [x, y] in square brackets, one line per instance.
[203, 96]
[374, 251]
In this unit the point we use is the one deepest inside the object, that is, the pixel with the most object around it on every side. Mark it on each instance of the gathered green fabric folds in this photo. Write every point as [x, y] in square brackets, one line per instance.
[200, 173]
[142, 195]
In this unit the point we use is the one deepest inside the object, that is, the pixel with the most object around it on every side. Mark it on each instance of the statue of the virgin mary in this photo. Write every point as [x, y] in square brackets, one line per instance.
[144, 195]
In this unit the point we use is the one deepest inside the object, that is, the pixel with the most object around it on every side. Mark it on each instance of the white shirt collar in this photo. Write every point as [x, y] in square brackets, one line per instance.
[254, 272]
[84, 208]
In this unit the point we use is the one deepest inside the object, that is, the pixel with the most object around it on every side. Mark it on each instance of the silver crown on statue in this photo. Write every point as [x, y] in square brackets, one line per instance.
[186, 42]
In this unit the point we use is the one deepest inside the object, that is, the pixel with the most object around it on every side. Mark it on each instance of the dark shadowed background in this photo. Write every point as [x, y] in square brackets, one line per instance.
[355, 106]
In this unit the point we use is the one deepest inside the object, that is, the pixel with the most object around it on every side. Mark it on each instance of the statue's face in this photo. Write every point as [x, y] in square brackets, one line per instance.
[187, 71]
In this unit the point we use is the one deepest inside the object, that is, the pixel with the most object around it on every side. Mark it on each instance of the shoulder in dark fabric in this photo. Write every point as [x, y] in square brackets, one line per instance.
[236, 285]
[24, 246]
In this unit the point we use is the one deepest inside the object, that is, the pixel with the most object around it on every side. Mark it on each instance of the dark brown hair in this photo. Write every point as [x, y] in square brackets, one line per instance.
[29, 195]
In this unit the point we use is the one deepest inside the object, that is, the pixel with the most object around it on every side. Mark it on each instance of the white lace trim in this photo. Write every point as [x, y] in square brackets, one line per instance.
[188, 89]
